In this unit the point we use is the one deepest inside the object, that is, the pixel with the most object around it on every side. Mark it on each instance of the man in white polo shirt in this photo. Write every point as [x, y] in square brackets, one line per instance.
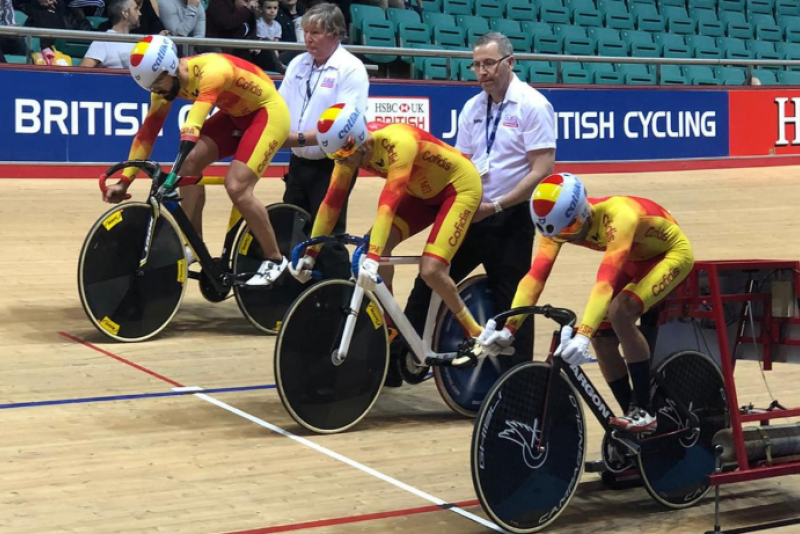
[508, 130]
[325, 75]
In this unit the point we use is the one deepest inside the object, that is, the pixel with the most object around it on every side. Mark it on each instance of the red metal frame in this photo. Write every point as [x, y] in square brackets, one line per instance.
[687, 301]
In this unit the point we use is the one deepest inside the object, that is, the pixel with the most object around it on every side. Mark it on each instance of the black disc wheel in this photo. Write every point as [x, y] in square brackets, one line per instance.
[463, 390]
[675, 468]
[265, 307]
[124, 301]
[319, 392]
[521, 488]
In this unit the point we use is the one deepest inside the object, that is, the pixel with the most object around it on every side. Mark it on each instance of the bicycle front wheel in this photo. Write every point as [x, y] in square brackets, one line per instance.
[265, 307]
[521, 489]
[675, 469]
[122, 300]
[320, 394]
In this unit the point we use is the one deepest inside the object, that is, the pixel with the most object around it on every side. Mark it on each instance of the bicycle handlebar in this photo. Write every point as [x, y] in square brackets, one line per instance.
[563, 316]
[345, 239]
[151, 168]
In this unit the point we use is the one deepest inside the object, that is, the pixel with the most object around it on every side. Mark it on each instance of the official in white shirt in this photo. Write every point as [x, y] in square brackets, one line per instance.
[508, 130]
[325, 75]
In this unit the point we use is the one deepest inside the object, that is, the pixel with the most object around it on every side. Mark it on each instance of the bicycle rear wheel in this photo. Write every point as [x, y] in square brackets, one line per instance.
[319, 394]
[675, 469]
[463, 390]
[521, 489]
[122, 301]
[265, 307]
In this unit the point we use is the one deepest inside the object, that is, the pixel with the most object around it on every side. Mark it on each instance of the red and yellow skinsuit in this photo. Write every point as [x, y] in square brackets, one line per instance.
[646, 255]
[427, 182]
[252, 122]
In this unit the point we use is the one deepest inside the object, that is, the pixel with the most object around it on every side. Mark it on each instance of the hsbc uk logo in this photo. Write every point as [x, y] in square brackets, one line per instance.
[414, 111]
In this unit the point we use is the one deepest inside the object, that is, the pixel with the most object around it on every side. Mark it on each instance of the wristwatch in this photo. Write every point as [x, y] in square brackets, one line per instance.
[301, 139]
[497, 207]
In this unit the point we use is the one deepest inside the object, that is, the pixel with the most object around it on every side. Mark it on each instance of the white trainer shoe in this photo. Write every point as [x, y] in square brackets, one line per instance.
[268, 272]
[637, 420]
[190, 257]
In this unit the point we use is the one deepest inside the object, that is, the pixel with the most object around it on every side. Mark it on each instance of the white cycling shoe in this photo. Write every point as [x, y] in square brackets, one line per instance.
[268, 272]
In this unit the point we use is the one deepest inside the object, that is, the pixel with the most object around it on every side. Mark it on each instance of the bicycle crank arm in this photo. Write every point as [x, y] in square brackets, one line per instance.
[628, 443]
[453, 359]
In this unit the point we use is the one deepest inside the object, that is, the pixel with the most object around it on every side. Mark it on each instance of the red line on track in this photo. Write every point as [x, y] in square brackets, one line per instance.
[120, 359]
[353, 519]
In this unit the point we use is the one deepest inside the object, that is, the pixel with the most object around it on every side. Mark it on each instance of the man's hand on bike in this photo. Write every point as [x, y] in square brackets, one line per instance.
[493, 343]
[116, 193]
[302, 273]
[368, 274]
[574, 351]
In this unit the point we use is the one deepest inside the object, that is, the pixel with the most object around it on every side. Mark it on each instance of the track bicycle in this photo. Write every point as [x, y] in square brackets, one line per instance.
[529, 440]
[133, 268]
[332, 353]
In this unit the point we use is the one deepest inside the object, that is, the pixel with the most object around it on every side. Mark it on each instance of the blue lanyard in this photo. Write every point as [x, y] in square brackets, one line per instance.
[490, 137]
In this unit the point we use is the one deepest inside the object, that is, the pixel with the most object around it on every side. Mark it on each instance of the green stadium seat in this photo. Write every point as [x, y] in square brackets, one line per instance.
[536, 28]
[792, 35]
[620, 21]
[703, 4]
[730, 43]
[458, 7]
[438, 20]
[762, 18]
[520, 10]
[449, 37]
[676, 50]
[730, 75]
[358, 14]
[520, 41]
[473, 35]
[572, 5]
[548, 44]
[20, 17]
[577, 76]
[429, 5]
[761, 46]
[768, 33]
[567, 30]
[711, 28]
[703, 14]
[409, 32]
[461, 71]
[611, 48]
[15, 59]
[665, 39]
[787, 7]
[633, 68]
[648, 2]
[399, 16]
[434, 68]
[542, 72]
[96, 22]
[726, 17]
[636, 36]
[505, 25]
[793, 57]
[681, 26]
[640, 79]
[699, 73]
[787, 49]
[606, 34]
[645, 50]
[471, 22]
[702, 51]
[607, 7]
[489, 9]
[771, 56]
[521, 72]
[579, 46]
[671, 3]
[672, 75]
[71, 48]
[587, 17]
[379, 33]
[570, 66]
[737, 6]
[640, 10]
[740, 30]
[554, 14]
[674, 11]
[766, 77]
[651, 23]
[788, 77]
[760, 6]
[608, 78]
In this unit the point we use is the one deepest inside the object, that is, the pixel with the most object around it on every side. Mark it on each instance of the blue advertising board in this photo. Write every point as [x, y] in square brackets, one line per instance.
[92, 118]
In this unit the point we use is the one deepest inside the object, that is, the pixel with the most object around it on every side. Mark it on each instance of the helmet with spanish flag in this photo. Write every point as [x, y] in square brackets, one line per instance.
[559, 206]
[150, 57]
[341, 129]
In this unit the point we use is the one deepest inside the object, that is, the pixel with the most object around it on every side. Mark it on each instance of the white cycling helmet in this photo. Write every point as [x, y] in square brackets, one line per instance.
[559, 205]
[341, 129]
[150, 57]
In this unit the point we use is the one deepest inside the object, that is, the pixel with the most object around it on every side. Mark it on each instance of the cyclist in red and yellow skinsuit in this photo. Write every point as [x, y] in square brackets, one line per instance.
[427, 182]
[646, 255]
[251, 125]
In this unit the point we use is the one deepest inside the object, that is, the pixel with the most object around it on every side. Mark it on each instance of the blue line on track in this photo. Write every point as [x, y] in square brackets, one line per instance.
[112, 398]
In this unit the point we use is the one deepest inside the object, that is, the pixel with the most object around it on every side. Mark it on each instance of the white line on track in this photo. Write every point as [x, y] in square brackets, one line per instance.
[348, 461]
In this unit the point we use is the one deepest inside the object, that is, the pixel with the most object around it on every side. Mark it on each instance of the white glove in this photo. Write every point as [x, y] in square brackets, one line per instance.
[368, 274]
[493, 342]
[302, 273]
[573, 351]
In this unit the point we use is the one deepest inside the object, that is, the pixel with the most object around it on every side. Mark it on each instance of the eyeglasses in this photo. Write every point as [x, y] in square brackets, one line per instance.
[489, 64]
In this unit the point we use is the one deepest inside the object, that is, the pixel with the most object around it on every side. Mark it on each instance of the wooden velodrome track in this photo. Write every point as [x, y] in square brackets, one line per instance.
[108, 447]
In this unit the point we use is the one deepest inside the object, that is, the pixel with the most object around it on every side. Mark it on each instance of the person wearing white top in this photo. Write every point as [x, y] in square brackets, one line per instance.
[508, 130]
[325, 75]
[124, 17]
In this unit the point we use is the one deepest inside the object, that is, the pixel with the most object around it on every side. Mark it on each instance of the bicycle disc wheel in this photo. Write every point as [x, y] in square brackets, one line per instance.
[320, 395]
[675, 469]
[265, 307]
[520, 489]
[463, 390]
[122, 301]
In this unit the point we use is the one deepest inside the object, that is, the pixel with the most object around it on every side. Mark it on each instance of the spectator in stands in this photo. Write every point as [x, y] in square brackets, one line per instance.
[186, 18]
[508, 130]
[290, 14]
[268, 29]
[124, 17]
[325, 75]
[149, 22]
[10, 45]
[78, 10]
[232, 19]
[47, 14]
